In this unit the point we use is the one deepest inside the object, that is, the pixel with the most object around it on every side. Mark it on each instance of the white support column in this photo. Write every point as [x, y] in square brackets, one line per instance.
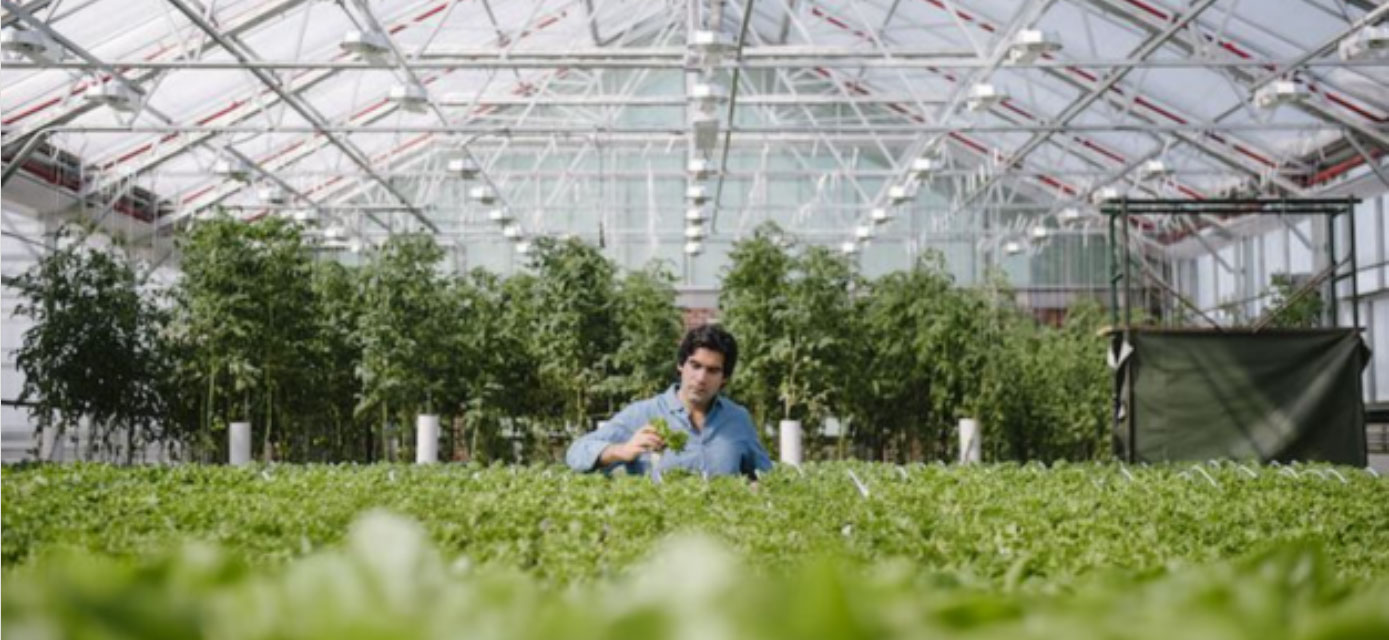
[426, 439]
[791, 436]
[239, 444]
[970, 448]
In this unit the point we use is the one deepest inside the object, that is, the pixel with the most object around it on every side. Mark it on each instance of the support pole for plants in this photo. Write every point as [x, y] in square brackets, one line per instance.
[970, 448]
[239, 444]
[48, 443]
[791, 436]
[426, 439]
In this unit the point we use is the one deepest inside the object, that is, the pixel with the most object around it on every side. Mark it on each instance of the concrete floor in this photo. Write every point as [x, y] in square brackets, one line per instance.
[1380, 462]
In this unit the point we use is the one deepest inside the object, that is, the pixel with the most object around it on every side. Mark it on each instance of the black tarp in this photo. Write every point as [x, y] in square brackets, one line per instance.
[1269, 395]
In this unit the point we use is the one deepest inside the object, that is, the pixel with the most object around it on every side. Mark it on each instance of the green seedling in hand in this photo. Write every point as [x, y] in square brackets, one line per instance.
[675, 440]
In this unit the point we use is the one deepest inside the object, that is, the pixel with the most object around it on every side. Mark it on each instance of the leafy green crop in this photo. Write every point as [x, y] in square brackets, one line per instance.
[675, 439]
[990, 526]
[389, 581]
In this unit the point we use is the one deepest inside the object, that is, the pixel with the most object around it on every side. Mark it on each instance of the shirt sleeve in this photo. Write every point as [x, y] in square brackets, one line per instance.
[756, 458]
[583, 453]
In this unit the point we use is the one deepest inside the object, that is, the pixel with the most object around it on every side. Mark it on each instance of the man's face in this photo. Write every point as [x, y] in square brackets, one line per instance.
[702, 375]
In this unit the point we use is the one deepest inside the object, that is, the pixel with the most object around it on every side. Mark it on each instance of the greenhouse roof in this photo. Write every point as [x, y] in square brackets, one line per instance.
[822, 115]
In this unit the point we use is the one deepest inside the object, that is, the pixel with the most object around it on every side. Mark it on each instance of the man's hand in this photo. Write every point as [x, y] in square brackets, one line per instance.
[645, 439]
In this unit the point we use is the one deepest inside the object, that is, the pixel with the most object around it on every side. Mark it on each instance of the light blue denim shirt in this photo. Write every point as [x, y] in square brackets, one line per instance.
[727, 445]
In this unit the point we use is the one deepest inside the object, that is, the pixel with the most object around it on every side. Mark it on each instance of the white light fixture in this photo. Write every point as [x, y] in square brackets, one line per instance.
[1279, 92]
[983, 96]
[523, 247]
[700, 168]
[272, 194]
[113, 94]
[482, 193]
[707, 48]
[1364, 43]
[697, 194]
[411, 97]
[34, 45]
[1040, 232]
[922, 168]
[879, 215]
[233, 168]
[304, 216]
[863, 232]
[1104, 194]
[365, 43]
[1030, 44]
[695, 215]
[512, 232]
[693, 248]
[354, 245]
[694, 232]
[462, 168]
[898, 194]
[706, 131]
[849, 248]
[499, 216]
[1153, 169]
[334, 233]
[1069, 214]
[1012, 247]
[707, 96]
[712, 41]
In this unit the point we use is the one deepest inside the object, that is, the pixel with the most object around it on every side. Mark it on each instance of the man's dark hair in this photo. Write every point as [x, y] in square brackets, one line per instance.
[711, 337]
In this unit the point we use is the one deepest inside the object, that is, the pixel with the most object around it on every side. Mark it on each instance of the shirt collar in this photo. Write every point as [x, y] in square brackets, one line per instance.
[672, 398]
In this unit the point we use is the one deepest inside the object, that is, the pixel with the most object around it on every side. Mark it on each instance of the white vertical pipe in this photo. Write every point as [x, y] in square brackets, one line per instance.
[791, 436]
[239, 444]
[85, 447]
[426, 439]
[969, 441]
[48, 443]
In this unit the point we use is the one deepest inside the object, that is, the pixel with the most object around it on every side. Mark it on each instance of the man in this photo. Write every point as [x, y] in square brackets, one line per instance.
[722, 438]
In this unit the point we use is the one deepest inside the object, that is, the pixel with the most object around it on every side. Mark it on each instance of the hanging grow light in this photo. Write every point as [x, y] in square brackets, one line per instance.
[482, 194]
[1030, 44]
[700, 168]
[1279, 92]
[34, 45]
[365, 43]
[462, 168]
[697, 194]
[411, 97]
[983, 96]
[233, 168]
[112, 94]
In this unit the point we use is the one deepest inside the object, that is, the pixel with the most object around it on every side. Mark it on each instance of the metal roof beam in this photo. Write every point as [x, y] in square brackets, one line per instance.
[755, 59]
[72, 111]
[1094, 93]
[1188, 43]
[580, 131]
[304, 111]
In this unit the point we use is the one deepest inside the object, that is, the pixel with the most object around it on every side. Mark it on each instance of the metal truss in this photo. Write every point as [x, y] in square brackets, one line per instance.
[562, 107]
